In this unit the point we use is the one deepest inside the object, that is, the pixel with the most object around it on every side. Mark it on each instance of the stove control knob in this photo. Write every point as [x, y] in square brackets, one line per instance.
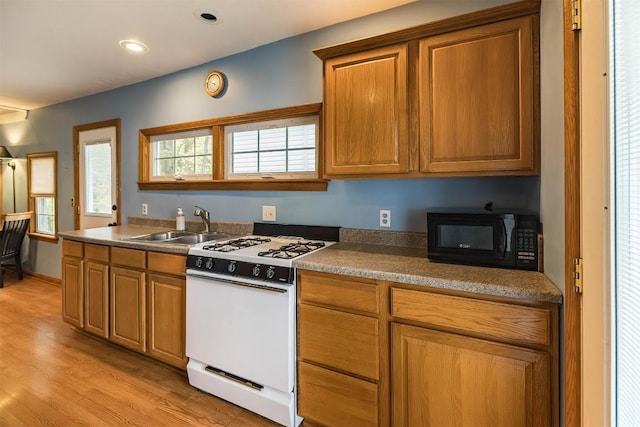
[199, 262]
[271, 272]
[209, 264]
[231, 267]
[256, 270]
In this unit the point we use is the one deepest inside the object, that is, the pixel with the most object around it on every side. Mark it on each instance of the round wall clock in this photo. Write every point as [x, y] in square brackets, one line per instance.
[214, 83]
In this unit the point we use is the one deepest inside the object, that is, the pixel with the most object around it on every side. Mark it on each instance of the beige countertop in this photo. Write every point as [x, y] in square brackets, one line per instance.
[410, 265]
[382, 262]
[116, 236]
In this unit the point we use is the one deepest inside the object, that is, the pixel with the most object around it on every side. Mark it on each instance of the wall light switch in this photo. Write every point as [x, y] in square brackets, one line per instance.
[268, 213]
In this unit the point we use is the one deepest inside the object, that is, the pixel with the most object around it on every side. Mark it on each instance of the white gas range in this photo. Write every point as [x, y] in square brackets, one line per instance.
[241, 317]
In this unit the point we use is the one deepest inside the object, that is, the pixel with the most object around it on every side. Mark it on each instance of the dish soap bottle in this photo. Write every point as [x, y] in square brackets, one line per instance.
[180, 220]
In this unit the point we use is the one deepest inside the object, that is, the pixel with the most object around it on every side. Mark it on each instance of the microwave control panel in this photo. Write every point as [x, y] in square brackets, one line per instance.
[527, 248]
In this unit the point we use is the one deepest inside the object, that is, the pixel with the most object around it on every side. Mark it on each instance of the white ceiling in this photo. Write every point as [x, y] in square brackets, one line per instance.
[57, 50]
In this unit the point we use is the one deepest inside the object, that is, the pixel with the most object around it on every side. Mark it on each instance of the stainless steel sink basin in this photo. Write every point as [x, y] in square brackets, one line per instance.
[180, 237]
[198, 238]
[163, 235]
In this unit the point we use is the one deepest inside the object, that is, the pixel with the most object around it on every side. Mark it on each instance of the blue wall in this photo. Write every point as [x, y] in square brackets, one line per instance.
[281, 74]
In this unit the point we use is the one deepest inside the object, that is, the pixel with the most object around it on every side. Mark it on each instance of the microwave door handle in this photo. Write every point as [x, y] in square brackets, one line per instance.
[503, 240]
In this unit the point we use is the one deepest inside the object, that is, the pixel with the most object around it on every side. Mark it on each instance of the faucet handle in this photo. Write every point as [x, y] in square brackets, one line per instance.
[200, 212]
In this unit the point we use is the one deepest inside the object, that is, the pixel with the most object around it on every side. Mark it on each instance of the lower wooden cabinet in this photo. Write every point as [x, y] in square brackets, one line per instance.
[167, 334]
[342, 344]
[132, 297]
[72, 291]
[96, 299]
[128, 308]
[335, 399]
[443, 379]
[377, 353]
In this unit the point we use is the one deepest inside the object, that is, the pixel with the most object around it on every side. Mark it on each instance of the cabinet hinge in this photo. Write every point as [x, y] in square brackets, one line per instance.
[577, 275]
[576, 15]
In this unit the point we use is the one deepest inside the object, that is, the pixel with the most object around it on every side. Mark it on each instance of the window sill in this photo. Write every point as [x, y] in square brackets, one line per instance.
[258, 185]
[44, 237]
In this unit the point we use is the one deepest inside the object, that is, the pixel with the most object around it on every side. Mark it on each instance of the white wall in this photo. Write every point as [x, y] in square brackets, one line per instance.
[552, 139]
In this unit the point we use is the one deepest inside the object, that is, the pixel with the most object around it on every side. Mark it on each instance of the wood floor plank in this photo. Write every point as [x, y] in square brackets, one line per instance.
[52, 374]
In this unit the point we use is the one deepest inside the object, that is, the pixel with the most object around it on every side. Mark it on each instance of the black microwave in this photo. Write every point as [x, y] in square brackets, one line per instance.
[506, 238]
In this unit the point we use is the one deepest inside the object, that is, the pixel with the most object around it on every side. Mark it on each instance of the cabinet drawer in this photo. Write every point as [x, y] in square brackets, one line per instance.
[71, 248]
[339, 291]
[492, 319]
[344, 341]
[96, 252]
[334, 399]
[166, 263]
[128, 257]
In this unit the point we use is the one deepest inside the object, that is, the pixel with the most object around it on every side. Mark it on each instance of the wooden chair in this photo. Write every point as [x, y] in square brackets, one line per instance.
[14, 227]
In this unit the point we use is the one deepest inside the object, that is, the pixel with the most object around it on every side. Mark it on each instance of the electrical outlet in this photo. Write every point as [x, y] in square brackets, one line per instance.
[268, 213]
[385, 218]
[145, 209]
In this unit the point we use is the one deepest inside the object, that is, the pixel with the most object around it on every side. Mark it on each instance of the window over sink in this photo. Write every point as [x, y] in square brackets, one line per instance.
[182, 155]
[273, 149]
[268, 150]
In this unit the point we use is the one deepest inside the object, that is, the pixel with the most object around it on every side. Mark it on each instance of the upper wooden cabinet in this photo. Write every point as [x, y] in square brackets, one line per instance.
[477, 99]
[456, 97]
[366, 112]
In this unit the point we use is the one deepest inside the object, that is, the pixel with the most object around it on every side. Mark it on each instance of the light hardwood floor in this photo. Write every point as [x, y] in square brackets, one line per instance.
[51, 374]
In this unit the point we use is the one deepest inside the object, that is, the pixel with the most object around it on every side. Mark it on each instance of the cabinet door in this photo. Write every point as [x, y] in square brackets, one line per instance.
[72, 291]
[479, 108]
[334, 399]
[128, 306]
[167, 319]
[441, 379]
[344, 341]
[96, 298]
[366, 113]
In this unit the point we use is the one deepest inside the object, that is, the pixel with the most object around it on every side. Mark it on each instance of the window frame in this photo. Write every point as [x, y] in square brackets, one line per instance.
[219, 158]
[266, 124]
[33, 234]
[195, 132]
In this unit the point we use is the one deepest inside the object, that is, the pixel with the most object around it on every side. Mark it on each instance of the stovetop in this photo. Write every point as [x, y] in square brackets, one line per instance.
[259, 257]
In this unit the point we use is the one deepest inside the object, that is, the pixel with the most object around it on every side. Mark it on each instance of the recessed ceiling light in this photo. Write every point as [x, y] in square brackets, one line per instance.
[134, 46]
[206, 16]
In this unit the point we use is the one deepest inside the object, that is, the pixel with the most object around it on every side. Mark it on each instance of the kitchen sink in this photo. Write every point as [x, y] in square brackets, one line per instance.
[164, 235]
[179, 237]
[198, 238]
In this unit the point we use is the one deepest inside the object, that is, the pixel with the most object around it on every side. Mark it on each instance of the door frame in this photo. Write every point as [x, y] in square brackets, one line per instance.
[76, 165]
[597, 206]
[572, 300]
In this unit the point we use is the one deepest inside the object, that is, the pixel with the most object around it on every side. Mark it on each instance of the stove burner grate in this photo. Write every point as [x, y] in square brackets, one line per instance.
[292, 250]
[235, 244]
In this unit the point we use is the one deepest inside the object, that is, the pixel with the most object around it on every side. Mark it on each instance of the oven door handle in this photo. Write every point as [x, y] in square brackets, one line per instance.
[236, 283]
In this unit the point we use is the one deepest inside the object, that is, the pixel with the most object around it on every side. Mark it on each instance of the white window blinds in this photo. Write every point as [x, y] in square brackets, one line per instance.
[43, 175]
[280, 148]
[625, 33]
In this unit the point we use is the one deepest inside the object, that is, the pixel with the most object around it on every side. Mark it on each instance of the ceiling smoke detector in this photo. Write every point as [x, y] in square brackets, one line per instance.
[134, 46]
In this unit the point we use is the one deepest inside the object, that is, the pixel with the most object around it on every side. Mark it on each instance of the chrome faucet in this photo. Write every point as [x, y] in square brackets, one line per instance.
[204, 214]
